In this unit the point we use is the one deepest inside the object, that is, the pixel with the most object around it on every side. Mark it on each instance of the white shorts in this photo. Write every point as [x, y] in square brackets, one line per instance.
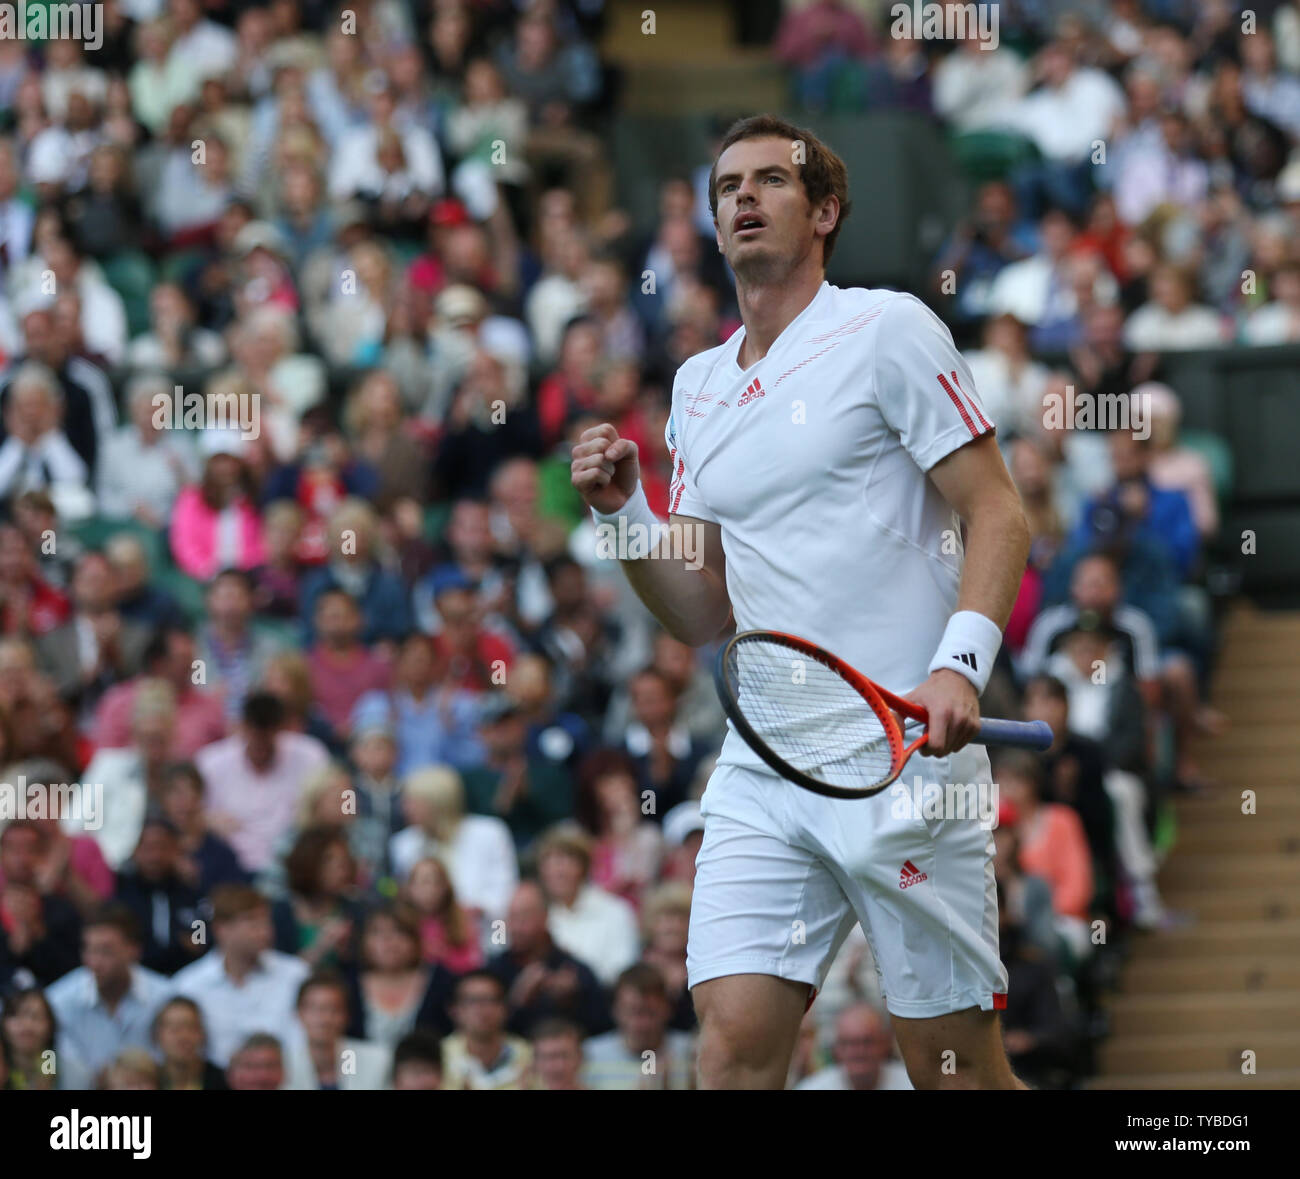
[783, 875]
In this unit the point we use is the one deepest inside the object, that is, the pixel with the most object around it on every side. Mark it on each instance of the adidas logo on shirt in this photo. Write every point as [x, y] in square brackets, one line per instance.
[910, 875]
[753, 393]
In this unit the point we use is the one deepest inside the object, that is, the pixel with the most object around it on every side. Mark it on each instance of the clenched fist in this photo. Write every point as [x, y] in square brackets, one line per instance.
[605, 468]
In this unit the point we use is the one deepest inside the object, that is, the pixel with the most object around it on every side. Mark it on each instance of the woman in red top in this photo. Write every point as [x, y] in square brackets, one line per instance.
[628, 848]
[572, 386]
[448, 934]
[1053, 846]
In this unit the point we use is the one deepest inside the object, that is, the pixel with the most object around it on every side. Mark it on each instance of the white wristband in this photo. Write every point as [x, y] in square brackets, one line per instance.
[969, 647]
[637, 510]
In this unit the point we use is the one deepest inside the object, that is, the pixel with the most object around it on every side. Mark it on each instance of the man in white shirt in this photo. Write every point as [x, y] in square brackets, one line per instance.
[204, 47]
[861, 1054]
[596, 927]
[319, 1056]
[242, 986]
[825, 459]
[356, 171]
[1073, 108]
[37, 455]
[108, 1003]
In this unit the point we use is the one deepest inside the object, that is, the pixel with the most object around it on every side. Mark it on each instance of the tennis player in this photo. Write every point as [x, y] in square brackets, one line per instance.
[827, 455]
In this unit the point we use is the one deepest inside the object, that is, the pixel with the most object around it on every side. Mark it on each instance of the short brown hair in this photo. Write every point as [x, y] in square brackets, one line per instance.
[643, 978]
[822, 172]
[230, 901]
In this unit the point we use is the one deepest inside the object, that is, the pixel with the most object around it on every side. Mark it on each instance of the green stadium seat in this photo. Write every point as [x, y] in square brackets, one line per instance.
[187, 592]
[94, 532]
[991, 155]
[435, 520]
[131, 275]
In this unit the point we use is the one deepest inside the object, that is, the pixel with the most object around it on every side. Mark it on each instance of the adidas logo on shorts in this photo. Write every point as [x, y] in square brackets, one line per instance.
[910, 875]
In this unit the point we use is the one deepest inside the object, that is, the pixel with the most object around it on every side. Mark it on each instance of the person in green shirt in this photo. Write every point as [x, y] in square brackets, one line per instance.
[528, 793]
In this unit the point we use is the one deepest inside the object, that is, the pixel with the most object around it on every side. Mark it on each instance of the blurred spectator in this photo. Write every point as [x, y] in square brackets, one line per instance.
[108, 1003]
[342, 668]
[1178, 468]
[322, 1057]
[476, 849]
[665, 922]
[40, 932]
[130, 778]
[1053, 846]
[181, 1042]
[480, 1054]
[174, 341]
[393, 991]
[1036, 1031]
[557, 1056]
[661, 748]
[628, 848]
[642, 1052]
[543, 981]
[597, 928]
[144, 467]
[139, 599]
[215, 524]
[432, 720]
[529, 793]
[258, 1063]
[260, 771]
[96, 648]
[353, 566]
[28, 605]
[171, 656]
[28, 1034]
[36, 454]
[448, 933]
[206, 860]
[241, 985]
[861, 1051]
[233, 651]
[1171, 320]
[979, 83]
[165, 906]
[317, 918]
[417, 1062]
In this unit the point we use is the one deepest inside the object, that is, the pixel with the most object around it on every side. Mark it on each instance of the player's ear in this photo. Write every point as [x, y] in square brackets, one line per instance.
[828, 215]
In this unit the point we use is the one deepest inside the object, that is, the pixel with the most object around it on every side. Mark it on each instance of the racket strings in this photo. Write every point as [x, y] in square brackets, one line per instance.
[810, 716]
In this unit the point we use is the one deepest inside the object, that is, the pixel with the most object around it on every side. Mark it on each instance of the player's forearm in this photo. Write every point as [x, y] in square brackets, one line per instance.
[691, 604]
[997, 547]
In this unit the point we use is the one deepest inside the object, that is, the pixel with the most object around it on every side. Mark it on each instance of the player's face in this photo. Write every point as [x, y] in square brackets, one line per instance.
[765, 223]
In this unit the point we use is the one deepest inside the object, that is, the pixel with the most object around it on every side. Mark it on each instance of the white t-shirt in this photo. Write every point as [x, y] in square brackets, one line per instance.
[813, 461]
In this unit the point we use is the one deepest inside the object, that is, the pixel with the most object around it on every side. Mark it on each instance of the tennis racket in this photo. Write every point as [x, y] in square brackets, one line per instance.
[822, 724]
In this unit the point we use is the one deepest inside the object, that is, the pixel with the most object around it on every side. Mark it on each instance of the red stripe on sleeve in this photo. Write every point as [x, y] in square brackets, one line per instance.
[961, 407]
[973, 405]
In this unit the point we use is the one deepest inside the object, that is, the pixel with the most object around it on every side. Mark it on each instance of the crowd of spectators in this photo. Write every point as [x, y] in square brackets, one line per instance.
[399, 782]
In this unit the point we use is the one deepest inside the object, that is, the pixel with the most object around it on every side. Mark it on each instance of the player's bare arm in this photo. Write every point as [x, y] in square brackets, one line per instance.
[976, 484]
[690, 603]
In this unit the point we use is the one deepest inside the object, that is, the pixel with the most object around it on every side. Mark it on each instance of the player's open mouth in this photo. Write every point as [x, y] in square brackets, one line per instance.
[747, 225]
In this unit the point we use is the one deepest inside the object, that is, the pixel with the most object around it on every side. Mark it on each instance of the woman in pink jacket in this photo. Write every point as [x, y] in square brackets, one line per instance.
[216, 525]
